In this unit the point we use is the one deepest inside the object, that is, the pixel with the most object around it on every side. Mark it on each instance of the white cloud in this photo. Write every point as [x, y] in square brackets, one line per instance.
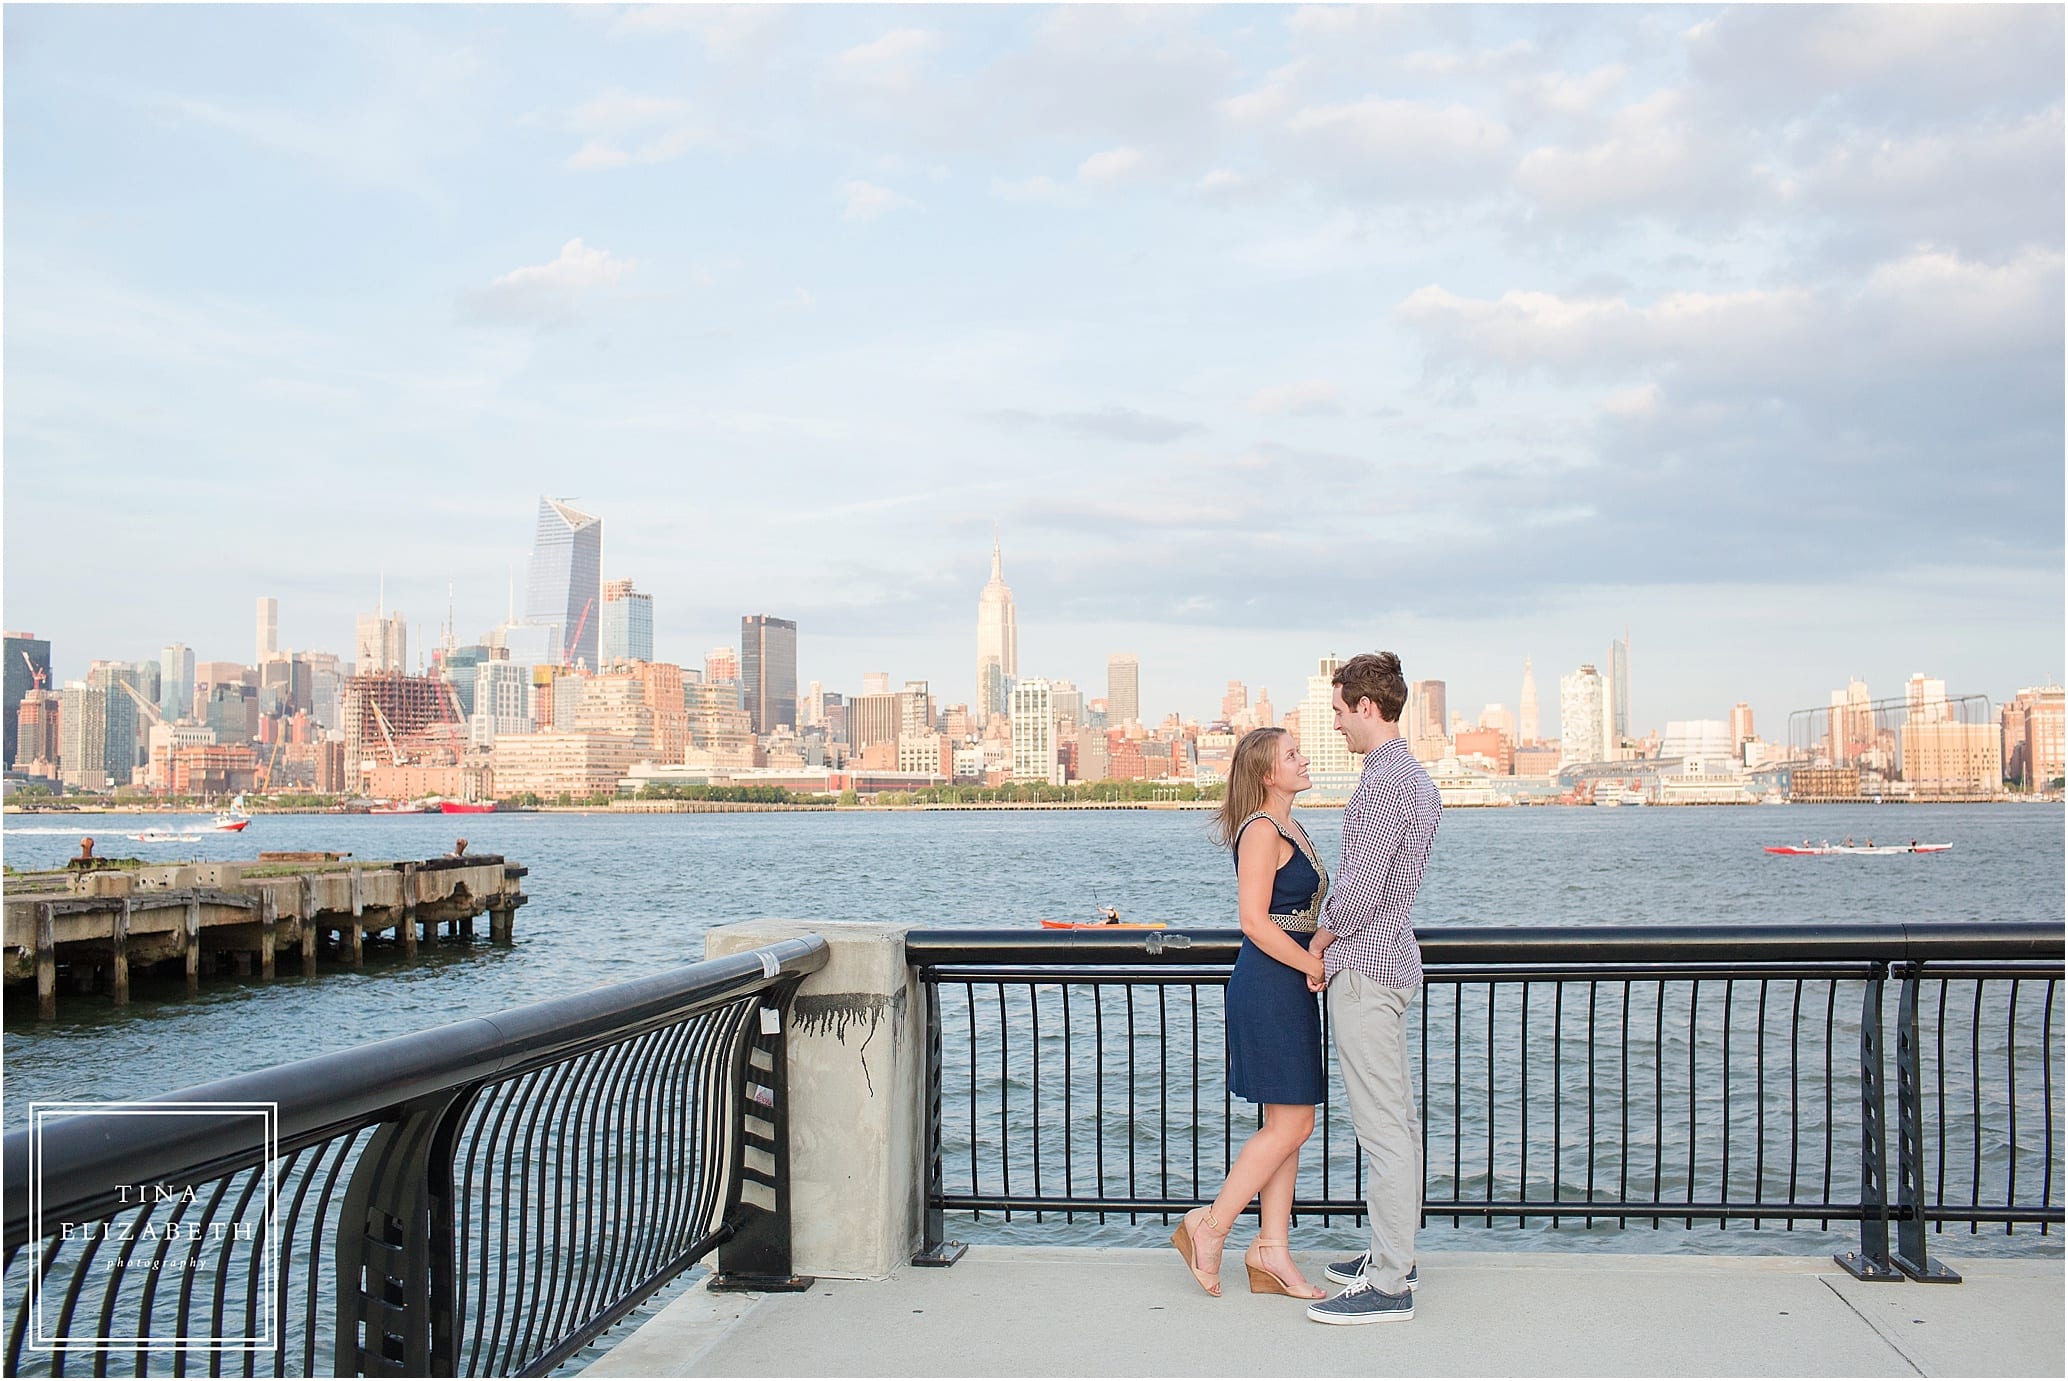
[1308, 398]
[894, 48]
[1563, 94]
[1381, 125]
[625, 129]
[1031, 189]
[548, 292]
[1221, 181]
[1110, 166]
[865, 201]
[616, 109]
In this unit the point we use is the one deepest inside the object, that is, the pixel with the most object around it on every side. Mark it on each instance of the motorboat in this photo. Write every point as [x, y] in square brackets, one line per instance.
[1831, 850]
[234, 819]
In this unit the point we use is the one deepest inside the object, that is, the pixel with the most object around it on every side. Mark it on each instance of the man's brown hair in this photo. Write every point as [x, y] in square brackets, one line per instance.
[1374, 676]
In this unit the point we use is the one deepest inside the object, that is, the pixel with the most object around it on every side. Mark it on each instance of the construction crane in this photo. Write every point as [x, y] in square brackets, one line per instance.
[36, 673]
[576, 640]
[146, 706]
[265, 777]
[386, 733]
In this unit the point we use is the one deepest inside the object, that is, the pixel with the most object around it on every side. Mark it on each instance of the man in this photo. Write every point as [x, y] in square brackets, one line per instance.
[1372, 971]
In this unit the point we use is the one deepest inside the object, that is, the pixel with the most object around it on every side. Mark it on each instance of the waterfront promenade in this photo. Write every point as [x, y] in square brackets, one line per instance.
[1049, 1311]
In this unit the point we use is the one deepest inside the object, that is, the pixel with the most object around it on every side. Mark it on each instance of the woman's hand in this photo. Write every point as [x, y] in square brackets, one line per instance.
[1316, 972]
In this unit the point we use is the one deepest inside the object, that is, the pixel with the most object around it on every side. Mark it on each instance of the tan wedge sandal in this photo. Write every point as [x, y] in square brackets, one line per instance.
[1182, 1240]
[1265, 1281]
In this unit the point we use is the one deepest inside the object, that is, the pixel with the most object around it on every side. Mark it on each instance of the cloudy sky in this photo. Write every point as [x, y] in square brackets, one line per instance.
[1257, 332]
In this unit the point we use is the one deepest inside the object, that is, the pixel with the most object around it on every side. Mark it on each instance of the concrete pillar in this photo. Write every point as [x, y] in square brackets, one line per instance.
[499, 927]
[46, 961]
[358, 934]
[269, 921]
[358, 894]
[308, 910]
[408, 926]
[855, 1046]
[192, 932]
[121, 953]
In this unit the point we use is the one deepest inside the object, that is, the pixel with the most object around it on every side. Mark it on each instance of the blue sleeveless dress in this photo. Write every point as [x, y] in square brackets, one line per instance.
[1274, 1023]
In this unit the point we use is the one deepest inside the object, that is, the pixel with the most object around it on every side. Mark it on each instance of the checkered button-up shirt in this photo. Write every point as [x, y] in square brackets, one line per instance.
[1388, 833]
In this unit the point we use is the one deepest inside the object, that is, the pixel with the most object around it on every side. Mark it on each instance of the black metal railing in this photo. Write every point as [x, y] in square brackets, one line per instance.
[1567, 1076]
[479, 1199]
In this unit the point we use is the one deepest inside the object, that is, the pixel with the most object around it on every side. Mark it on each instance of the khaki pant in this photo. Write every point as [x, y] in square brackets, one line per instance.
[1369, 1023]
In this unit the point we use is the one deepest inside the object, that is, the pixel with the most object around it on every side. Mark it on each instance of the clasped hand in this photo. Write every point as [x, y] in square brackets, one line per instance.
[1317, 972]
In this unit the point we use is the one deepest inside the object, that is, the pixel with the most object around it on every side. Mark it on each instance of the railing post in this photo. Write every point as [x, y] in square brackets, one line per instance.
[396, 1247]
[1871, 1262]
[757, 1254]
[933, 1250]
[1912, 1257]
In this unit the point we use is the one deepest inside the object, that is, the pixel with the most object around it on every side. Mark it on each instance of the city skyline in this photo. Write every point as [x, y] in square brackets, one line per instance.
[1477, 335]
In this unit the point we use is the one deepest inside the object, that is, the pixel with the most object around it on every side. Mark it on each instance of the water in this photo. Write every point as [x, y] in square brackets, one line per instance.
[615, 897]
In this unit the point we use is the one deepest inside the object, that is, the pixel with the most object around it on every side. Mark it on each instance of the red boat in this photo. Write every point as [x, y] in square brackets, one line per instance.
[467, 807]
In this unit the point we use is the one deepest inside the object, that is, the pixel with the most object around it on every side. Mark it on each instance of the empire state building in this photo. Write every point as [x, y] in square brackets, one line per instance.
[998, 643]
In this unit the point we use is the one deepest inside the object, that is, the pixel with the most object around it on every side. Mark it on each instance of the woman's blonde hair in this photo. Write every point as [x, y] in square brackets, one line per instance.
[1248, 770]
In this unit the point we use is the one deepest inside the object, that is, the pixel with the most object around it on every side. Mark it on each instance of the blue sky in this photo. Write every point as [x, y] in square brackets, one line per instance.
[1477, 333]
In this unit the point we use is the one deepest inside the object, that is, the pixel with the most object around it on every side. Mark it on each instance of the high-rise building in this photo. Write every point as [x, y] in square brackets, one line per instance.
[998, 640]
[722, 667]
[1496, 716]
[1069, 701]
[874, 717]
[1924, 698]
[1741, 727]
[268, 629]
[82, 721]
[875, 683]
[1263, 712]
[2033, 737]
[1326, 749]
[768, 671]
[1526, 724]
[627, 623]
[1123, 690]
[28, 668]
[176, 681]
[1235, 701]
[119, 717]
[1850, 733]
[567, 583]
[502, 701]
[1580, 716]
[1428, 710]
[1616, 697]
[1034, 732]
[35, 724]
[380, 644]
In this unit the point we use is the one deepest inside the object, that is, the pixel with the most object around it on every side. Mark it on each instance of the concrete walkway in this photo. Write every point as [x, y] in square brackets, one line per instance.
[1015, 1311]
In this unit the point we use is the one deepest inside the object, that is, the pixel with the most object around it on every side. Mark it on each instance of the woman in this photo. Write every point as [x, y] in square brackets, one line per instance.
[1274, 1020]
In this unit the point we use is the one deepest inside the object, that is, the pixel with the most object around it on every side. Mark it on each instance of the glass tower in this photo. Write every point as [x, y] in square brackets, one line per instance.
[768, 671]
[567, 583]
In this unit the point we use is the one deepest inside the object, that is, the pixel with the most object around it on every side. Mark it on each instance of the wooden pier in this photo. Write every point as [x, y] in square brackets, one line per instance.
[237, 917]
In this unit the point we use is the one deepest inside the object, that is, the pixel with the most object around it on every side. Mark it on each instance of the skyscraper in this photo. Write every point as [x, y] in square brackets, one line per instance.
[1326, 749]
[380, 643]
[1123, 689]
[82, 722]
[1526, 718]
[567, 583]
[998, 640]
[768, 671]
[1616, 697]
[627, 623]
[28, 668]
[120, 717]
[176, 681]
[1741, 726]
[1429, 706]
[268, 629]
[1581, 717]
[722, 666]
[1033, 732]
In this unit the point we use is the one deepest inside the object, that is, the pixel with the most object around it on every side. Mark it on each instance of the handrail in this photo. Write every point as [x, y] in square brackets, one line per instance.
[86, 1160]
[1879, 942]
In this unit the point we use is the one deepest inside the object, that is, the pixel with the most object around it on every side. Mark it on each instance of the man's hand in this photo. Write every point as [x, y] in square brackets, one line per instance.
[1317, 981]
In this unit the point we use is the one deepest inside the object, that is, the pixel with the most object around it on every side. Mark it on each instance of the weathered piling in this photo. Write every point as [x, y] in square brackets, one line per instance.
[203, 919]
